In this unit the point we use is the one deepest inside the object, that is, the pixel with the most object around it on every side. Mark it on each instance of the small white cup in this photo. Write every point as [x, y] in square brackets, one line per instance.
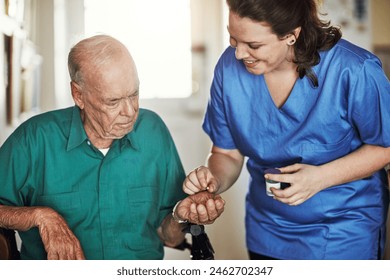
[270, 183]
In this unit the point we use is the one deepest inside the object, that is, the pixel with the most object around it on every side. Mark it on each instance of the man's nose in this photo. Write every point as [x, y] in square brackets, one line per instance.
[128, 107]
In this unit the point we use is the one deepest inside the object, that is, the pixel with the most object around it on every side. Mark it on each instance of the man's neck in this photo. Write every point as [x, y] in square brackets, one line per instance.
[98, 142]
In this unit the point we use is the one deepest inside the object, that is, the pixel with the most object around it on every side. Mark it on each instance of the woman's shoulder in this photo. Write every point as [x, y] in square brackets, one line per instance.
[346, 55]
[348, 51]
[228, 56]
[229, 65]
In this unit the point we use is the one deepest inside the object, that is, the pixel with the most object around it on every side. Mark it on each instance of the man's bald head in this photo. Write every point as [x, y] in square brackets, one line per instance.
[90, 54]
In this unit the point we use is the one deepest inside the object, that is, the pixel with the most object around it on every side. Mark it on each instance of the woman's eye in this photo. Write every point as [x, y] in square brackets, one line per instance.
[254, 47]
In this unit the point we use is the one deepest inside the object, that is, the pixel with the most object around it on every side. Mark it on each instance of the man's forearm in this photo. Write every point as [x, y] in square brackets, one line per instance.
[171, 232]
[19, 218]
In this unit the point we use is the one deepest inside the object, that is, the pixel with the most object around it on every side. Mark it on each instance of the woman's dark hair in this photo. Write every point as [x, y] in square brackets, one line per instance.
[286, 15]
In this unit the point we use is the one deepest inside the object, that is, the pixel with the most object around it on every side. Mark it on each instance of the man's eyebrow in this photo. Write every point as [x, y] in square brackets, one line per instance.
[111, 99]
[136, 92]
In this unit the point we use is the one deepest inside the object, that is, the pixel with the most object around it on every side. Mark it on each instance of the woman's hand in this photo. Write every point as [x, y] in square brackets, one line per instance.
[305, 181]
[200, 179]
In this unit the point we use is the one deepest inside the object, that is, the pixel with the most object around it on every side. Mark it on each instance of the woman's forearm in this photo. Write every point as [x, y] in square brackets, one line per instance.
[357, 165]
[226, 167]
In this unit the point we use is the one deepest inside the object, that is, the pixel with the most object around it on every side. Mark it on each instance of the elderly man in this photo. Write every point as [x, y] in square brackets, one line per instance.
[98, 180]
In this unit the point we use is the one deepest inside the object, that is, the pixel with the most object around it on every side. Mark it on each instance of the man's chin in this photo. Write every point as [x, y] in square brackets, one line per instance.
[118, 134]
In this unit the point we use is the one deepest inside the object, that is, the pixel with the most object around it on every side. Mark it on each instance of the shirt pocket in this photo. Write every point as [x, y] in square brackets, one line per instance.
[143, 217]
[320, 153]
[65, 201]
[143, 204]
[68, 205]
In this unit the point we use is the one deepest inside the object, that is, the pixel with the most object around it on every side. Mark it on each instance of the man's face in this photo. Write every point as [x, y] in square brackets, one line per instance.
[110, 96]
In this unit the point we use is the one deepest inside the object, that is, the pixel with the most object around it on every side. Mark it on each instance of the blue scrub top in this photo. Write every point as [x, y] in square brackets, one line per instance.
[349, 108]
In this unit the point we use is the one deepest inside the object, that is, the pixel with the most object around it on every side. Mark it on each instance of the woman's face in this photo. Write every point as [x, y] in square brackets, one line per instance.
[260, 50]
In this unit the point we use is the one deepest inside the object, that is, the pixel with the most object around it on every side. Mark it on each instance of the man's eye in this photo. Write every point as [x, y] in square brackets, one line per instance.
[112, 104]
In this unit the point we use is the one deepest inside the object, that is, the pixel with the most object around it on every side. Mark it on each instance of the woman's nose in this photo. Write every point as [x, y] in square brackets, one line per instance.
[241, 52]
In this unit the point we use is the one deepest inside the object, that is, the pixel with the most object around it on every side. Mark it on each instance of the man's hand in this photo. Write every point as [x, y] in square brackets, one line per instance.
[59, 241]
[201, 208]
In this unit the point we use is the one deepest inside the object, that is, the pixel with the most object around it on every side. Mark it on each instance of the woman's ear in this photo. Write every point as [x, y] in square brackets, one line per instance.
[77, 95]
[293, 37]
[296, 32]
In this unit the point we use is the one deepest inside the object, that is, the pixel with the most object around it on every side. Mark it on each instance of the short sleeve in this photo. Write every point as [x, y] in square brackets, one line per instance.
[369, 104]
[215, 122]
[14, 172]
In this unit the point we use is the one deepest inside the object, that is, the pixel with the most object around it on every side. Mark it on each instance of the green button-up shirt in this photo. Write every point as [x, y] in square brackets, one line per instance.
[114, 203]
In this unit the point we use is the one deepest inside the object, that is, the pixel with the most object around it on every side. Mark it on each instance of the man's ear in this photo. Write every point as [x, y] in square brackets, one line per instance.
[77, 95]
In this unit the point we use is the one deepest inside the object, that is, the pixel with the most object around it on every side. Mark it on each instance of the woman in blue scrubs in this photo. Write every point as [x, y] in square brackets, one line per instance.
[289, 93]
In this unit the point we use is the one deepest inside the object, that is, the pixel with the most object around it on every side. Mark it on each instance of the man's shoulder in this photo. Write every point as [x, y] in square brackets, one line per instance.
[49, 120]
[149, 122]
[147, 113]
[147, 116]
[54, 115]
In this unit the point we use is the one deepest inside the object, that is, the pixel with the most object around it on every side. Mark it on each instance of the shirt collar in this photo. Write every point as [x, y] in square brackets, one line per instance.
[77, 133]
[131, 137]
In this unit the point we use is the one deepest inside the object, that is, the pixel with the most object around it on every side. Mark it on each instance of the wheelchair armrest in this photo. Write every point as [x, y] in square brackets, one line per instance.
[8, 248]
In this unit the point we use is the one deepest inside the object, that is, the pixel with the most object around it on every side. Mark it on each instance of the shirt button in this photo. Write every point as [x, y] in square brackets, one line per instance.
[89, 143]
